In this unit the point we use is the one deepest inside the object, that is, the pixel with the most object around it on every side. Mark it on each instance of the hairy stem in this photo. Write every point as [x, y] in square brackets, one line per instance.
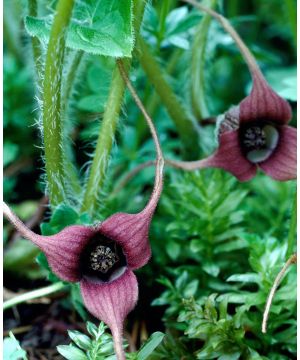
[199, 105]
[36, 46]
[279, 277]
[35, 294]
[71, 76]
[183, 121]
[108, 128]
[52, 111]
[69, 161]
[104, 142]
[293, 228]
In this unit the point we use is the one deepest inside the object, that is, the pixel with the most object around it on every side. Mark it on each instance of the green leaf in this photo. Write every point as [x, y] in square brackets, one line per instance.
[151, 344]
[101, 27]
[173, 250]
[246, 278]
[70, 352]
[81, 340]
[12, 349]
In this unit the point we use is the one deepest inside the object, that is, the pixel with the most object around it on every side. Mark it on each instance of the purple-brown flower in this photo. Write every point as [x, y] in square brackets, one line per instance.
[255, 134]
[102, 259]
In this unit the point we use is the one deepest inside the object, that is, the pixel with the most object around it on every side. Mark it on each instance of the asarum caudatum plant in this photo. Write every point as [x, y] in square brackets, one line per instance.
[102, 257]
[254, 134]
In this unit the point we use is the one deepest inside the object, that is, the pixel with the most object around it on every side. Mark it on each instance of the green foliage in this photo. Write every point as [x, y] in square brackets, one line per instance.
[98, 345]
[12, 349]
[101, 27]
[221, 333]
[227, 313]
[217, 244]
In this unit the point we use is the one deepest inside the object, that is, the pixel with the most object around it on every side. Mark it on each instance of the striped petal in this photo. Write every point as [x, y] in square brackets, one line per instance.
[63, 250]
[131, 232]
[282, 165]
[230, 157]
[111, 303]
[264, 104]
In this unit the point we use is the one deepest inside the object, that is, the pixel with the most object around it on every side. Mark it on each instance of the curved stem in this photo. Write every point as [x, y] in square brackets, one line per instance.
[293, 228]
[187, 129]
[159, 155]
[109, 124]
[247, 55]
[20, 226]
[34, 295]
[279, 277]
[52, 111]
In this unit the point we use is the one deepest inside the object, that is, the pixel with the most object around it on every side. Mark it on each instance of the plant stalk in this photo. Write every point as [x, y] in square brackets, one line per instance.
[293, 229]
[52, 111]
[35, 294]
[36, 48]
[182, 119]
[199, 104]
[108, 128]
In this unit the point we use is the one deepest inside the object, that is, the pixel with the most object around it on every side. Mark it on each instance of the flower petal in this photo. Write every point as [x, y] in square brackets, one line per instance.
[62, 250]
[264, 103]
[111, 303]
[131, 232]
[282, 164]
[229, 157]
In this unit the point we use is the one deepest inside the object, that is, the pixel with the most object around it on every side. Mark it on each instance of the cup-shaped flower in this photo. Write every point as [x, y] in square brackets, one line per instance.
[254, 134]
[102, 258]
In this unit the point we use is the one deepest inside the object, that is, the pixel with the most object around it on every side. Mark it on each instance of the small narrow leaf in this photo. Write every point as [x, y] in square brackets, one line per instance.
[152, 343]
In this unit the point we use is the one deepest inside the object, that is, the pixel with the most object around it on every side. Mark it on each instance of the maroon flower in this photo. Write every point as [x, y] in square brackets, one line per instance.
[102, 258]
[255, 133]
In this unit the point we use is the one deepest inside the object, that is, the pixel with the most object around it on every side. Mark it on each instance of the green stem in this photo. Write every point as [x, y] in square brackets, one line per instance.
[104, 143]
[35, 294]
[69, 157]
[291, 9]
[153, 100]
[108, 127]
[198, 67]
[52, 111]
[71, 76]
[36, 47]
[183, 121]
[293, 228]
[164, 10]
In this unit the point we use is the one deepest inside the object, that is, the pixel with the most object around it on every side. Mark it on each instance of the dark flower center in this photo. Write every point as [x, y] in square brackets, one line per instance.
[102, 260]
[258, 141]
